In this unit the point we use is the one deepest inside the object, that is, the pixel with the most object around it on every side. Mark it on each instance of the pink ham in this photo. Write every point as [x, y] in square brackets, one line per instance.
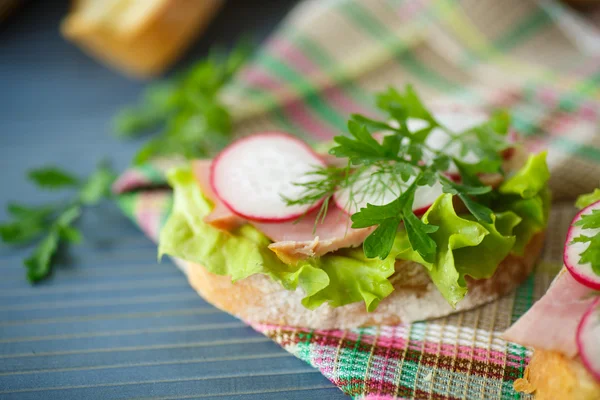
[220, 217]
[299, 240]
[293, 240]
[551, 324]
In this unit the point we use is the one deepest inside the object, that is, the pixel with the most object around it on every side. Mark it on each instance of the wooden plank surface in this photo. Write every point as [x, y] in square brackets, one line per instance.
[111, 323]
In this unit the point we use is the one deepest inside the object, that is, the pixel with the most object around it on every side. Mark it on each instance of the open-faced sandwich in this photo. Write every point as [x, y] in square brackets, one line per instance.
[564, 325]
[412, 217]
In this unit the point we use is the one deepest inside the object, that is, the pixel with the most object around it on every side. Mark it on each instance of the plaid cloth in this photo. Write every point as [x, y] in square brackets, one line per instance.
[326, 61]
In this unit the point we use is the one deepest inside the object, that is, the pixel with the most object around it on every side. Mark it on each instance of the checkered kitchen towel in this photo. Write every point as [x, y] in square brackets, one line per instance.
[535, 58]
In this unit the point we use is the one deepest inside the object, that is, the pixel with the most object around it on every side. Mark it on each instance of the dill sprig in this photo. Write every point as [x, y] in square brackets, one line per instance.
[394, 164]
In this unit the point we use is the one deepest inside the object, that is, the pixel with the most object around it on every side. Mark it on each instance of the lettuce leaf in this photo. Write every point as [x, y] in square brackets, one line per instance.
[352, 277]
[529, 180]
[527, 195]
[341, 278]
[475, 248]
[587, 199]
[534, 218]
[464, 247]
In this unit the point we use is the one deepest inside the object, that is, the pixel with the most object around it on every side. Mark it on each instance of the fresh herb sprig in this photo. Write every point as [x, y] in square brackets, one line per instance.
[405, 158]
[592, 253]
[193, 119]
[589, 221]
[52, 225]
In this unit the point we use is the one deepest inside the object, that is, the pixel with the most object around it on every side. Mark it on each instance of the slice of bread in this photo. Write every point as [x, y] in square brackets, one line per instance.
[139, 37]
[260, 299]
[552, 376]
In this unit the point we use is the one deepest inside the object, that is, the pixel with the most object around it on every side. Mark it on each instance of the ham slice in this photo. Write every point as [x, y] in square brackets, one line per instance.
[292, 240]
[220, 217]
[551, 324]
[296, 240]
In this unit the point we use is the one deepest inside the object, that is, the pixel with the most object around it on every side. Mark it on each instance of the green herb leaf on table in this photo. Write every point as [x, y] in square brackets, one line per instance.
[52, 178]
[98, 185]
[187, 112]
[54, 223]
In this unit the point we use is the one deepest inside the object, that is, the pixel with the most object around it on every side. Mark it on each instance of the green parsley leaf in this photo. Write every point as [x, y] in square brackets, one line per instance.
[441, 162]
[363, 149]
[379, 243]
[592, 253]
[374, 215]
[98, 185]
[371, 124]
[53, 222]
[589, 221]
[403, 157]
[401, 106]
[478, 210]
[71, 234]
[23, 211]
[38, 264]
[186, 110]
[388, 217]
[67, 217]
[52, 178]
[21, 231]
[500, 122]
[418, 237]
[29, 223]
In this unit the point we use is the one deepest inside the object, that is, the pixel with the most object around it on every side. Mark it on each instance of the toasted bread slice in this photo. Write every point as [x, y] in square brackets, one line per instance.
[139, 37]
[551, 375]
[260, 299]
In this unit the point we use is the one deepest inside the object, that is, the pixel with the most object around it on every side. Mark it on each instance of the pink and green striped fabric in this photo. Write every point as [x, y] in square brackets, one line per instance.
[325, 62]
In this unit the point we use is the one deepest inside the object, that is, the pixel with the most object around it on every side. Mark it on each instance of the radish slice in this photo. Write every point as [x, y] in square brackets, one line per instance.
[588, 339]
[254, 174]
[385, 189]
[583, 273]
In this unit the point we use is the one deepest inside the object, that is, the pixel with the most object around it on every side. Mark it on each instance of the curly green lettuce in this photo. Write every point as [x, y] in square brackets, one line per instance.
[464, 247]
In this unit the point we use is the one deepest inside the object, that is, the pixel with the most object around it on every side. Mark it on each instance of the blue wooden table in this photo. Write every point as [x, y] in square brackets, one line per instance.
[111, 322]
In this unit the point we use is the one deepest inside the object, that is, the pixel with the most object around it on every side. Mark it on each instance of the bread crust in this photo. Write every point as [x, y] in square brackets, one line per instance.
[551, 375]
[259, 299]
[151, 45]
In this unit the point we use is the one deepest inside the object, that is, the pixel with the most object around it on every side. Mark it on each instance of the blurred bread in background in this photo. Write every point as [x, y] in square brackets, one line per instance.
[138, 37]
[7, 7]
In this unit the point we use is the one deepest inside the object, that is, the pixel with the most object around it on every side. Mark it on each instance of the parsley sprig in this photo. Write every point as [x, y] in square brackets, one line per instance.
[53, 225]
[187, 110]
[592, 253]
[406, 160]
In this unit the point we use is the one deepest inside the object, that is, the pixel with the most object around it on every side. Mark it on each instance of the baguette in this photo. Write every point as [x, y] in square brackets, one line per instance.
[138, 37]
[259, 299]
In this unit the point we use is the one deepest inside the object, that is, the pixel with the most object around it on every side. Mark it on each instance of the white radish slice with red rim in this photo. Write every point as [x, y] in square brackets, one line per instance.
[381, 190]
[583, 273]
[254, 175]
[588, 339]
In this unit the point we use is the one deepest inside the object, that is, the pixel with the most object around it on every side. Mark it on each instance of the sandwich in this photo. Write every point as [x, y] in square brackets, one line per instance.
[409, 217]
[563, 326]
